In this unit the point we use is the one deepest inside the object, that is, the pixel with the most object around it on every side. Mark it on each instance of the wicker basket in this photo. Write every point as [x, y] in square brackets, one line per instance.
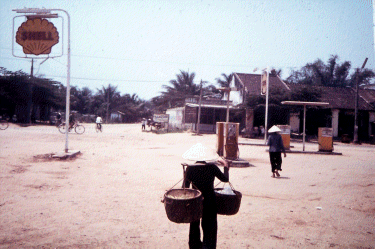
[183, 205]
[228, 204]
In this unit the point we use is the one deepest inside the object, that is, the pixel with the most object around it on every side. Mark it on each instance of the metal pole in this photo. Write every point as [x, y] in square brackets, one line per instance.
[304, 126]
[199, 109]
[67, 109]
[228, 106]
[266, 115]
[355, 135]
[47, 12]
[30, 100]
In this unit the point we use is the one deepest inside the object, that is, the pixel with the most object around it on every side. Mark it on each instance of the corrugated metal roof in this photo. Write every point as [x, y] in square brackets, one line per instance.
[211, 106]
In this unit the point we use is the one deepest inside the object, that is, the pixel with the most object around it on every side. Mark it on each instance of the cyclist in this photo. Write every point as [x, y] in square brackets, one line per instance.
[99, 123]
[71, 121]
[58, 119]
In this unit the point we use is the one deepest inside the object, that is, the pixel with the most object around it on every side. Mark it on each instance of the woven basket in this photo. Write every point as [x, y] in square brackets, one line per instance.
[183, 205]
[228, 204]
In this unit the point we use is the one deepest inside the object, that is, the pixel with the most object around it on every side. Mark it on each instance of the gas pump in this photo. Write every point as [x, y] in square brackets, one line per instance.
[231, 133]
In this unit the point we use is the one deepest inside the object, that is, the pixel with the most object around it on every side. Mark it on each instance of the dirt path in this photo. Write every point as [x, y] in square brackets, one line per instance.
[109, 196]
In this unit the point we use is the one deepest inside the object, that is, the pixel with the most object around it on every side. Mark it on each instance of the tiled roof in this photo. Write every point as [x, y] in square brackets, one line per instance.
[368, 95]
[337, 97]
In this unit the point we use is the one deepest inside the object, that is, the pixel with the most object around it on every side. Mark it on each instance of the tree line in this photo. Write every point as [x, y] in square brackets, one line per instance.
[34, 98]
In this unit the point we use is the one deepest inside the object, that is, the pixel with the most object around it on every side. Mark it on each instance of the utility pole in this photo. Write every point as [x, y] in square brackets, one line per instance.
[199, 109]
[30, 100]
[355, 135]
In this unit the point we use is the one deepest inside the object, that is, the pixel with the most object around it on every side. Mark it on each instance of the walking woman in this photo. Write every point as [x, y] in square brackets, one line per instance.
[275, 142]
[202, 175]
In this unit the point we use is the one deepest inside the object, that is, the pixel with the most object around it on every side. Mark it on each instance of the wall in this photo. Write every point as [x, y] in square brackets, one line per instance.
[294, 122]
[176, 121]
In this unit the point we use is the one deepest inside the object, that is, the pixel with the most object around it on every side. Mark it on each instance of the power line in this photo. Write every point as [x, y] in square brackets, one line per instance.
[95, 79]
[165, 62]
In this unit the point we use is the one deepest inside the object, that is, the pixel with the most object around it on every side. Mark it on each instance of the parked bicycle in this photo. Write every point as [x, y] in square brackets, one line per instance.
[78, 128]
[3, 124]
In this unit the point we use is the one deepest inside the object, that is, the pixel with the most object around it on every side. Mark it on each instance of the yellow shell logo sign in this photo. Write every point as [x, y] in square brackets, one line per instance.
[37, 36]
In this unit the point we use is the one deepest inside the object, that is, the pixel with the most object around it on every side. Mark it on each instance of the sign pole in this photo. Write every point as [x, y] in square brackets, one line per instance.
[266, 115]
[46, 13]
[228, 105]
[67, 108]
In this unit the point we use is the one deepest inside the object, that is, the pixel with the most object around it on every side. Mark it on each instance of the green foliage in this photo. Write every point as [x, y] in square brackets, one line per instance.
[331, 74]
[305, 93]
[227, 80]
[178, 90]
[32, 98]
[28, 97]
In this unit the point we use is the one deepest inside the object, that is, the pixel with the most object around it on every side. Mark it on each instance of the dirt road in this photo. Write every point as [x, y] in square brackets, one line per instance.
[109, 196]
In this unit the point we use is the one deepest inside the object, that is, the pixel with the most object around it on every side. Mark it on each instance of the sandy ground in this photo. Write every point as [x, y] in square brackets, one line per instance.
[110, 195]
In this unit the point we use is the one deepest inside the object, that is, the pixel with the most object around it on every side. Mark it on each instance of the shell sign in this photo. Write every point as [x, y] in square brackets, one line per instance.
[37, 36]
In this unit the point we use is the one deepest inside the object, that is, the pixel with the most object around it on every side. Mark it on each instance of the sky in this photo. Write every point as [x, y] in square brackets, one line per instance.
[139, 46]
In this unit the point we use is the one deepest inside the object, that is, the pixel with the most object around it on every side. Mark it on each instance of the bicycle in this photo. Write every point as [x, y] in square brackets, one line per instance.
[4, 124]
[78, 128]
[99, 127]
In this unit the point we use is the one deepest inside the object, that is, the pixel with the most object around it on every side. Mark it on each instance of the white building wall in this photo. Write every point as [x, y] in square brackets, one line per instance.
[294, 122]
[175, 118]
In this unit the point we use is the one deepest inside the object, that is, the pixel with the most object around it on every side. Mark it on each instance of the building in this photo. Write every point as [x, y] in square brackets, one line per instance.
[339, 114]
[211, 112]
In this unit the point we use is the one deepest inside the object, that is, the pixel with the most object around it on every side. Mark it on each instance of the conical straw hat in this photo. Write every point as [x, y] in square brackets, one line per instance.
[274, 129]
[199, 152]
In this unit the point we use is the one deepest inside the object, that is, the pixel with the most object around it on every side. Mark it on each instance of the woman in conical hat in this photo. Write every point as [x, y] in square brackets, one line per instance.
[275, 142]
[202, 175]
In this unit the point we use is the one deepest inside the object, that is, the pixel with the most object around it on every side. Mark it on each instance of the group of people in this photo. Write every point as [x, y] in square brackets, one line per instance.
[201, 176]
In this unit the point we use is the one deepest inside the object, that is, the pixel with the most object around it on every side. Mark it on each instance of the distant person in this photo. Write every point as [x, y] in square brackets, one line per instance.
[99, 122]
[202, 176]
[144, 121]
[275, 142]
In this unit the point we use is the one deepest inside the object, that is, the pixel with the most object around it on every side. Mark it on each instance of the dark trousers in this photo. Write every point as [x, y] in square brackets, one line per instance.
[275, 158]
[143, 127]
[209, 227]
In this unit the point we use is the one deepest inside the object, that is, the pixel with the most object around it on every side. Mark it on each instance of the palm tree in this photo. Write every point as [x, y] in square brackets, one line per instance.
[81, 99]
[108, 95]
[180, 88]
[227, 80]
[330, 74]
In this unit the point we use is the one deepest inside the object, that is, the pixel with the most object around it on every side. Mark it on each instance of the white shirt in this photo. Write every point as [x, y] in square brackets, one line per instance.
[99, 120]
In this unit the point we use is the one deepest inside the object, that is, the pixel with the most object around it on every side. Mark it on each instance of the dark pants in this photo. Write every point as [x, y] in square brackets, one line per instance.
[275, 158]
[209, 227]
[143, 127]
